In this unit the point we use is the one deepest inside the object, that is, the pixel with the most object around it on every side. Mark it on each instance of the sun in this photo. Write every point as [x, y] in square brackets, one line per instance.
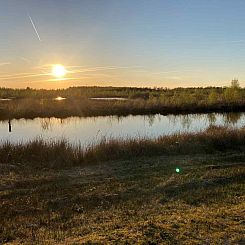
[59, 71]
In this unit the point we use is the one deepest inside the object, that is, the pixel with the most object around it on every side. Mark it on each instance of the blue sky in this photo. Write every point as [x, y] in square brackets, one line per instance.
[122, 43]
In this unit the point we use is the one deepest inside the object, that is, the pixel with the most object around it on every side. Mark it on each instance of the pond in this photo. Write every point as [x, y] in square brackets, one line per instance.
[85, 130]
[109, 98]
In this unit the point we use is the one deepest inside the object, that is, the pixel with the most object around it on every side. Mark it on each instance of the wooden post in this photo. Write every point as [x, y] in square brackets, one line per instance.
[10, 127]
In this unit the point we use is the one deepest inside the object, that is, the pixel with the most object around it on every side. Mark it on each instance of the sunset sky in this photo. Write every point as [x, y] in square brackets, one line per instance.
[122, 43]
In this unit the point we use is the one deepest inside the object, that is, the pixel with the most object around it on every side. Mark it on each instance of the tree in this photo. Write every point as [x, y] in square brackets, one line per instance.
[233, 93]
[235, 84]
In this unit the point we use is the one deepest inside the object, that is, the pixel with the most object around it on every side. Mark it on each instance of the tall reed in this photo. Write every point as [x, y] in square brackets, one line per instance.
[60, 154]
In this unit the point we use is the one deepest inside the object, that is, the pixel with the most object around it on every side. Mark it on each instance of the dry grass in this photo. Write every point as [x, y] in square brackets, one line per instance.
[54, 193]
[57, 154]
[140, 201]
[36, 107]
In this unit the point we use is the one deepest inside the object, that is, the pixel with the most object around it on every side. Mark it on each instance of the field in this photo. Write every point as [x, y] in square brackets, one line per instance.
[134, 196]
[127, 202]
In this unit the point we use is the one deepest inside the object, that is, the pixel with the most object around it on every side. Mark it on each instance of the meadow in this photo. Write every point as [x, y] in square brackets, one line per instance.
[180, 189]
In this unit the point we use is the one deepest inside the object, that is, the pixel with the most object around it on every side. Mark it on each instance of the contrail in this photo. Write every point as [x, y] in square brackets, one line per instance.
[34, 27]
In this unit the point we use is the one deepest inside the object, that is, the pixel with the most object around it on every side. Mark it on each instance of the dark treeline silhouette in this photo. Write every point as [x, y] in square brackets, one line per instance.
[79, 92]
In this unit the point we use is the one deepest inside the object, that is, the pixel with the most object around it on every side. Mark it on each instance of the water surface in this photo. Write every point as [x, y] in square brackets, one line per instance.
[108, 98]
[85, 130]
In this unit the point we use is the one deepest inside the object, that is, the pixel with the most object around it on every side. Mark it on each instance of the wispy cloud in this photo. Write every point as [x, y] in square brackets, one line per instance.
[23, 75]
[4, 63]
[173, 71]
[228, 41]
[174, 78]
[84, 69]
[237, 41]
[60, 79]
[25, 59]
[165, 72]
[100, 68]
[71, 71]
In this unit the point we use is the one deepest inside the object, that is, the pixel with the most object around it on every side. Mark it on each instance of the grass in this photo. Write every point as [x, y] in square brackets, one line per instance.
[140, 201]
[57, 154]
[125, 192]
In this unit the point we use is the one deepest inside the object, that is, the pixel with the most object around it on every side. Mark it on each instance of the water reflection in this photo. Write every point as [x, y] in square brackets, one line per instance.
[211, 118]
[108, 98]
[150, 119]
[46, 123]
[59, 98]
[232, 118]
[186, 121]
[92, 129]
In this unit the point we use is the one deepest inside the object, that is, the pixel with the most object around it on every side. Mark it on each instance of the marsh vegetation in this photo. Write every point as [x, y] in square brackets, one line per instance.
[128, 201]
[30, 103]
[61, 153]
[181, 188]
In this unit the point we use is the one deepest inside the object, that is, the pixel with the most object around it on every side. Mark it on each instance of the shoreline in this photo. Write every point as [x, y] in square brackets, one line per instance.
[62, 154]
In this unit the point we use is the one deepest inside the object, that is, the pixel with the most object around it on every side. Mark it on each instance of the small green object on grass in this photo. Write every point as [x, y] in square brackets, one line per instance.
[177, 170]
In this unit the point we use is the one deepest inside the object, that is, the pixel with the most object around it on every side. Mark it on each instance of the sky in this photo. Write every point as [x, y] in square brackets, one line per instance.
[156, 43]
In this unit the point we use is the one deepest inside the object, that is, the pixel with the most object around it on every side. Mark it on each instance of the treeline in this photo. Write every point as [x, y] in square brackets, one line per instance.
[78, 92]
[177, 96]
[32, 103]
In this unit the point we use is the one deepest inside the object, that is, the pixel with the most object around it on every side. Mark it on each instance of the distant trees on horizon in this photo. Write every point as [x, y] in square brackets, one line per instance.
[164, 96]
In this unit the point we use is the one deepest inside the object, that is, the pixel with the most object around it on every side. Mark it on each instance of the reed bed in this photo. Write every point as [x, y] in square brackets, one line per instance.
[31, 108]
[61, 154]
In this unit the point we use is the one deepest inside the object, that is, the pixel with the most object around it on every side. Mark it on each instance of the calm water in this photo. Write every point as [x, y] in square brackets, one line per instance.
[92, 129]
[110, 98]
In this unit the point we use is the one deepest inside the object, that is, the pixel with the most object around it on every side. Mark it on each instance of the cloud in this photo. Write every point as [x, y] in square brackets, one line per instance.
[174, 78]
[25, 59]
[100, 68]
[229, 42]
[4, 63]
[236, 41]
[23, 75]
[88, 72]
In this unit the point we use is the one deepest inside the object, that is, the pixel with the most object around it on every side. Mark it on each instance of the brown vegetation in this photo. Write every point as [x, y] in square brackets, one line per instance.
[30, 103]
[137, 201]
[56, 154]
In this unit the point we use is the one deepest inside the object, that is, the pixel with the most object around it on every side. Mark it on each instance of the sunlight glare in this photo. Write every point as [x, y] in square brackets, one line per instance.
[59, 71]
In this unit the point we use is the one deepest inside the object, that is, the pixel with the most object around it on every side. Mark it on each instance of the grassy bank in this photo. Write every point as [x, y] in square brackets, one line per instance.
[125, 192]
[30, 103]
[137, 201]
[56, 154]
